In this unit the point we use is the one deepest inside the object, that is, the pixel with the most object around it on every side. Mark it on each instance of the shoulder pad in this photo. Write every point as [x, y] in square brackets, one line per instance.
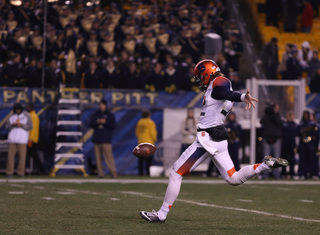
[221, 81]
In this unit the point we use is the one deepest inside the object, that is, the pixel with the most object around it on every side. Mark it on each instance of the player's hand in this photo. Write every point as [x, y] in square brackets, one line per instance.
[249, 100]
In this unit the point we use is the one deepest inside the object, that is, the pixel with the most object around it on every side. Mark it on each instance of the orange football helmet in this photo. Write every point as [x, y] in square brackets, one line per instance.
[203, 72]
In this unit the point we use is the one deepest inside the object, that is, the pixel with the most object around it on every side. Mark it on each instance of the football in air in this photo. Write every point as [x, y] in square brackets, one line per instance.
[144, 150]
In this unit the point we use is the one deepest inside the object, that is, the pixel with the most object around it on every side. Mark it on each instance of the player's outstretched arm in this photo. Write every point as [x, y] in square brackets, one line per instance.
[249, 99]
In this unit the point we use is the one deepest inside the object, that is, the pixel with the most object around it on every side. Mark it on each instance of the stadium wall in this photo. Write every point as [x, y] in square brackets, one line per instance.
[125, 104]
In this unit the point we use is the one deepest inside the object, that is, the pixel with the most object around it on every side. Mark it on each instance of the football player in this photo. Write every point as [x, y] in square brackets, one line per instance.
[211, 139]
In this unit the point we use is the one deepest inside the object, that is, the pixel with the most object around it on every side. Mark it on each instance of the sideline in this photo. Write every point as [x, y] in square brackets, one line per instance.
[158, 181]
[224, 207]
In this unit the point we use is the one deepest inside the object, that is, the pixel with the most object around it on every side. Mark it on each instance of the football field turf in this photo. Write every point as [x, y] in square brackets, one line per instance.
[205, 206]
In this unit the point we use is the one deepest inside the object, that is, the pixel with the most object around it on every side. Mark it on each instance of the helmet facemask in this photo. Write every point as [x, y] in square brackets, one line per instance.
[200, 79]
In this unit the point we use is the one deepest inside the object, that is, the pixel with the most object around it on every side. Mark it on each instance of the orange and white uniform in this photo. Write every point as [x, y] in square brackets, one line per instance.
[212, 137]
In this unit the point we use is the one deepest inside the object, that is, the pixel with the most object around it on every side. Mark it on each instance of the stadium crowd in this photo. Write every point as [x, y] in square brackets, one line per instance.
[294, 63]
[136, 44]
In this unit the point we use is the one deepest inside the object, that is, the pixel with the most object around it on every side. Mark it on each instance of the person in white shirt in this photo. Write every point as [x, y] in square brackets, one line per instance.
[19, 125]
[211, 139]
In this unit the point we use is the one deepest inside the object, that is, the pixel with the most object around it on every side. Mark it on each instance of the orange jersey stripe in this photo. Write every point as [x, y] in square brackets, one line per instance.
[231, 171]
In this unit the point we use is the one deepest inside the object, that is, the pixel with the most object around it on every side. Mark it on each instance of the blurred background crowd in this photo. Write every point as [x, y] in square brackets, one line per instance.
[150, 45]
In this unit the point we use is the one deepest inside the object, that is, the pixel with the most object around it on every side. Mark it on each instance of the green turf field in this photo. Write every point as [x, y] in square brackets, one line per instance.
[112, 207]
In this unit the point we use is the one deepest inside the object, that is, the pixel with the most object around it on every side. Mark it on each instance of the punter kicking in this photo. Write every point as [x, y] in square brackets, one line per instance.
[211, 138]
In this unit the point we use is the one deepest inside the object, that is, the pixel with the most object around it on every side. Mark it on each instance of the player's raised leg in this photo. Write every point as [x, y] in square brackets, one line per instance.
[226, 168]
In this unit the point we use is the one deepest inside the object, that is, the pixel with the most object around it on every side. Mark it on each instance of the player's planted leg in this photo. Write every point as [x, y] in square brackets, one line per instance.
[172, 193]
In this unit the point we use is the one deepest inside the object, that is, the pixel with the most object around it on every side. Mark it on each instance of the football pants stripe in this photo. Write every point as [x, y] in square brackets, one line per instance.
[185, 168]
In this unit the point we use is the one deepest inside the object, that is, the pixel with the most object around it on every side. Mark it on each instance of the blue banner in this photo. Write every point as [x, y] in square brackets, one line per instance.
[125, 104]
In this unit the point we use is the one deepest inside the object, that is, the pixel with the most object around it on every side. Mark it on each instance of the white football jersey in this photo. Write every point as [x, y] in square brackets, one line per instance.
[214, 112]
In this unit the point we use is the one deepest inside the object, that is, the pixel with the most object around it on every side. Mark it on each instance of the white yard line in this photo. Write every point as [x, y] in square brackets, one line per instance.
[225, 207]
[307, 201]
[48, 198]
[157, 181]
[17, 185]
[17, 193]
[244, 200]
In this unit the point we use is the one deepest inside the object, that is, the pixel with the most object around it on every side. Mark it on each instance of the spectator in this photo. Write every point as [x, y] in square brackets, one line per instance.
[273, 11]
[155, 80]
[3, 41]
[294, 68]
[223, 64]
[186, 74]
[188, 130]
[315, 164]
[146, 132]
[292, 8]
[24, 13]
[195, 44]
[175, 48]
[234, 137]
[14, 45]
[35, 78]
[171, 78]
[92, 44]
[11, 21]
[103, 122]
[34, 43]
[220, 11]
[271, 133]
[55, 77]
[131, 79]
[305, 55]
[289, 144]
[129, 44]
[111, 75]
[313, 65]
[92, 77]
[32, 150]
[13, 73]
[237, 84]
[270, 59]
[233, 50]
[283, 65]
[315, 82]
[70, 55]
[30, 70]
[19, 124]
[150, 45]
[307, 17]
[307, 132]
[108, 47]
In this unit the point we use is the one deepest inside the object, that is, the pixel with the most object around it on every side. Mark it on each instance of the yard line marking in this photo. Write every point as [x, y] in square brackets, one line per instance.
[308, 201]
[84, 192]
[114, 199]
[48, 198]
[224, 207]
[244, 200]
[156, 181]
[17, 193]
[65, 193]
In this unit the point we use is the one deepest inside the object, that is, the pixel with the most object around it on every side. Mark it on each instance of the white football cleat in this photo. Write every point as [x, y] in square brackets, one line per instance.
[150, 216]
[273, 162]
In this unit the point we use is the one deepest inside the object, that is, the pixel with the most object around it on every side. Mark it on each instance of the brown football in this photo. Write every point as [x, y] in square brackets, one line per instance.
[144, 150]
